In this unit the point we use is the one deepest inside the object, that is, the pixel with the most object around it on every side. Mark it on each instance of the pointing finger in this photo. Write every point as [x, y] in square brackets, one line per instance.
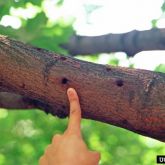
[75, 112]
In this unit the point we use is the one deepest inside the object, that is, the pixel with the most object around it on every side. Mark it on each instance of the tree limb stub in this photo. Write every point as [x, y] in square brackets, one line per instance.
[14, 101]
[131, 43]
[133, 99]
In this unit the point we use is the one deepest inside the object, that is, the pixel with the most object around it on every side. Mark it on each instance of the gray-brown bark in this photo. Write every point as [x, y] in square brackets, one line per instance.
[130, 43]
[14, 101]
[128, 98]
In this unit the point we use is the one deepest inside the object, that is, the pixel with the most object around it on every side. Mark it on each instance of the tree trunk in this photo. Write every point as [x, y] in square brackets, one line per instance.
[130, 43]
[130, 98]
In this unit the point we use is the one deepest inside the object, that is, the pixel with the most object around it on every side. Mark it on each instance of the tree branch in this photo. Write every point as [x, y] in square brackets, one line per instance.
[131, 43]
[17, 102]
[127, 98]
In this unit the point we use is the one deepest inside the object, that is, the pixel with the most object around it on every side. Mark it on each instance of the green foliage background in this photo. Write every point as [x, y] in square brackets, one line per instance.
[25, 134]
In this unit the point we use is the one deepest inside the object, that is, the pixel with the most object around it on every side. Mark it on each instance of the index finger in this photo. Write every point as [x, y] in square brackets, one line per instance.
[74, 125]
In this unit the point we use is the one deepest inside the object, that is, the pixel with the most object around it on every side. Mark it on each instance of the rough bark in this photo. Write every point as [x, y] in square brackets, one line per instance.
[133, 99]
[15, 101]
[131, 43]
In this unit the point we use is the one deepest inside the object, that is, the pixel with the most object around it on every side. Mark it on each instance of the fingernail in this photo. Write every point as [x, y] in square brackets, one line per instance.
[71, 92]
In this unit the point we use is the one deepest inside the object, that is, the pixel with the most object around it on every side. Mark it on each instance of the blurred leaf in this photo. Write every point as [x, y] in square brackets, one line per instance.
[154, 23]
[131, 65]
[18, 3]
[8, 31]
[2, 159]
[90, 58]
[163, 6]
[160, 68]
[91, 7]
[60, 2]
[36, 2]
[4, 10]
[35, 24]
[114, 61]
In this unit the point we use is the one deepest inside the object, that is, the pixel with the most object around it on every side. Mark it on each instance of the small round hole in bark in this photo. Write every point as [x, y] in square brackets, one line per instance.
[108, 69]
[119, 83]
[63, 58]
[64, 80]
[23, 85]
[38, 49]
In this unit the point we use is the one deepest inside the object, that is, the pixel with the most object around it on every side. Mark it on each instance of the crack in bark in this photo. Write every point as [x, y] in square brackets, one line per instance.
[46, 70]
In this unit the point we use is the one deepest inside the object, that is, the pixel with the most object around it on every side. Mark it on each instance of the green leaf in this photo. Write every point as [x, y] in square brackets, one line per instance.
[4, 10]
[35, 24]
[49, 43]
[60, 2]
[114, 61]
[8, 31]
[154, 23]
[36, 2]
[160, 68]
[163, 7]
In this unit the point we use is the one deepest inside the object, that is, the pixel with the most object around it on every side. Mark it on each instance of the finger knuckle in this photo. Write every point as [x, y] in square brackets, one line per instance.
[73, 110]
[73, 99]
[72, 135]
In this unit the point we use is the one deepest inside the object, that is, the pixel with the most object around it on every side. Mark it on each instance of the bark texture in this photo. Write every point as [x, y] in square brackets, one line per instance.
[131, 43]
[133, 99]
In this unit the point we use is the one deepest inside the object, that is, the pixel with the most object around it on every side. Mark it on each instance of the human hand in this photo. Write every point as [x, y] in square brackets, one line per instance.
[69, 148]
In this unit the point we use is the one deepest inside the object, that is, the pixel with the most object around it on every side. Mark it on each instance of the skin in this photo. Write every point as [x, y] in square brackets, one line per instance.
[69, 148]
